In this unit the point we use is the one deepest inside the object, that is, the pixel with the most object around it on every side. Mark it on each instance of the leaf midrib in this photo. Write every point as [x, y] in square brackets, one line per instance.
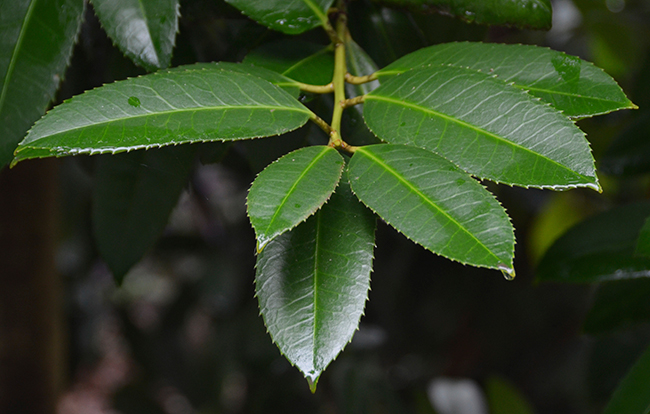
[295, 184]
[316, 256]
[517, 85]
[175, 111]
[317, 11]
[470, 126]
[16, 51]
[423, 196]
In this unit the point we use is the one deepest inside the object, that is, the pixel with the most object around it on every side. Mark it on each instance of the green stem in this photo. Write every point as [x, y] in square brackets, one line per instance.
[340, 69]
[329, 88]
[360, 80]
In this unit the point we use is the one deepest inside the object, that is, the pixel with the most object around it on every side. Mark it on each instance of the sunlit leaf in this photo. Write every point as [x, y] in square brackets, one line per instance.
[144, 30]
[433, 203]
[483, 125]
[292, 189]
[164, 108]
[575, 87]
[287, 16]
[312, 282]
[534, 14]
[133, 195]
[631, 396]
[598, 249]
[36, 39]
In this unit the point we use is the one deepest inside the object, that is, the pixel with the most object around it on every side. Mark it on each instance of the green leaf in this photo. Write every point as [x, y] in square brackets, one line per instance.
[599, 249]
[36, 39]
[292, 189]
[643, 242]
[133, 195]
[312, 282]
[532, 14]
[504, 398]
[483, 125]
[434, 203]
[302, 61]
[632, 396]
[288, 85]
[630, 152]
[287, 16]
[144, 30]
[619, 304]
[163, 108]
[576, 87]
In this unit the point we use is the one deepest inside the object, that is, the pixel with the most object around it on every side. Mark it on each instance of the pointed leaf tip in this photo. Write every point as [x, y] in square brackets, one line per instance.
[312, 380]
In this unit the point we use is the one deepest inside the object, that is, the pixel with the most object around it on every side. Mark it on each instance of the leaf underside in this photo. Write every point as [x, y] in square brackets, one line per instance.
[144, 30]
[483, 125]
[533, 14]
[165, 108]
[312, 282]
[292, 189]
[36, 39]
[133, 196]
[576, 87]
[434, 203]
[599, 249]
[287, 16]
[304, 62]
[631, 396]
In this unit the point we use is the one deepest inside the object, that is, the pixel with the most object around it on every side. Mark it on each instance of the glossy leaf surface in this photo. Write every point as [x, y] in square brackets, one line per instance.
[144, 30]
[133, 195]
[575, 87]
[302, 61]
[287, 16]
[36, 39]
[534, 14]
[433, 203]
[292, 189]
[312, 282]
[598, 249]
[618, 305]
[167, 107]
[483, 125]
[632, 396]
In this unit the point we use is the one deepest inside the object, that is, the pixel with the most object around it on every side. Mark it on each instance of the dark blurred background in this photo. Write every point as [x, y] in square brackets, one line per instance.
[182, 334]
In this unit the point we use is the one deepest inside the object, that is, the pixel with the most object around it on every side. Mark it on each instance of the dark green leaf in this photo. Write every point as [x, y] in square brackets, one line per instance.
[533, 14]
[483, 125]
[144, 30]
[288, 85]
[36, 39]
[133, 195]
[354, 130]
[302, 61]
[632, 396]
[164, 108]
[643, 242]
[287, 16]
[312, 282]
[504, 398]
[629, 154]
[575, 87]
[619, 304]
[434, 203]
[598, 249]
[292, 189]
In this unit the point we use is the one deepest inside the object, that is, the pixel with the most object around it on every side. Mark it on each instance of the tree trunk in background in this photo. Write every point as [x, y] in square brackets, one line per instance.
[31, 313]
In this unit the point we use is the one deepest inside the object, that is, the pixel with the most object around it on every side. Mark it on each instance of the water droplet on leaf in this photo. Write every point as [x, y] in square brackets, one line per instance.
[508, 272]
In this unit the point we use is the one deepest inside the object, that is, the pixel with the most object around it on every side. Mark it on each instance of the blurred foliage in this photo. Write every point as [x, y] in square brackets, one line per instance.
[183, 334]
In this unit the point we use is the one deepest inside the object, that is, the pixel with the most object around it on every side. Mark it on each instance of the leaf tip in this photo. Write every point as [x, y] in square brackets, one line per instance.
[312, 380]
[508, 272]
